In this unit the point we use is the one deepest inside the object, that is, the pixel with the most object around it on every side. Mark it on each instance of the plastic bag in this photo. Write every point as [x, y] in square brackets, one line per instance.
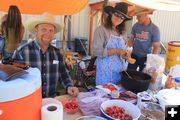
[155, 67]
[89, 103]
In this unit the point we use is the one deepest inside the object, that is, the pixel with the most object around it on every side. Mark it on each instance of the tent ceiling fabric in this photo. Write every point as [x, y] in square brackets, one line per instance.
[56, 7]
[169, 5]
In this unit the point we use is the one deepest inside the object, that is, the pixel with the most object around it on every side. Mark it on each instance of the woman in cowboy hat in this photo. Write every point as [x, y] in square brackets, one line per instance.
[41, 54]
[109, 46]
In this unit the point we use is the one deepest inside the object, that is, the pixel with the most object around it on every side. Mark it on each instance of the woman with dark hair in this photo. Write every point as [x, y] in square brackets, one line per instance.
[13, 30]
[4, 17]
[109, 45]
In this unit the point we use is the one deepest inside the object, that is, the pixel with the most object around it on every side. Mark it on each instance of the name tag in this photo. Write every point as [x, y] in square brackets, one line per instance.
[55, 62]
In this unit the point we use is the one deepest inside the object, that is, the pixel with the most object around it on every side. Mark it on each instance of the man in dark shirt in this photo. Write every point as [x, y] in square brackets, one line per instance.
[41, 54]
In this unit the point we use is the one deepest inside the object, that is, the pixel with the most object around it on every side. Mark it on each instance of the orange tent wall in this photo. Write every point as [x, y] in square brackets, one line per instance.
[56, 7]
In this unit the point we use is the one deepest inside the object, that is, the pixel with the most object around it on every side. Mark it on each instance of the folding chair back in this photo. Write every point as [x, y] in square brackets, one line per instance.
[85, 77]
[91, 66]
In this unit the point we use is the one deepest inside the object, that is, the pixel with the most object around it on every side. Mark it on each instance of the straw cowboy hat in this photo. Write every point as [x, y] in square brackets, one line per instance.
[46, 18]
[140, 10]
[121, 8]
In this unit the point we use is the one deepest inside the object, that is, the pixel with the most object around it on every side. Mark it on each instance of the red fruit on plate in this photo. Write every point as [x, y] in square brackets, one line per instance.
[71, 107]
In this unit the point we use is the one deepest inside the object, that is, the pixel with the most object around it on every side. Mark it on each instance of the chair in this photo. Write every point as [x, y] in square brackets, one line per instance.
[85, 77]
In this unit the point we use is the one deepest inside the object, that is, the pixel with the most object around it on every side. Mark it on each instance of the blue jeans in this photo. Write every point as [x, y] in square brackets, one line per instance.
[140, 62]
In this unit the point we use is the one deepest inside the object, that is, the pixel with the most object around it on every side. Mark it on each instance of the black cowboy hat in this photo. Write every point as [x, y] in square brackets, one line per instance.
[121, 8]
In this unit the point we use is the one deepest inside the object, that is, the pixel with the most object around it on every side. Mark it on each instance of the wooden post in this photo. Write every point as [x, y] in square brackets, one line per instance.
[91, 31]
[65, 33]
[94, 10]
[103, 14]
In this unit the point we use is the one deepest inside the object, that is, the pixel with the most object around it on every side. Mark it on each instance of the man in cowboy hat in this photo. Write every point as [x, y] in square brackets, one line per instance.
[145, 39]
[41, 54]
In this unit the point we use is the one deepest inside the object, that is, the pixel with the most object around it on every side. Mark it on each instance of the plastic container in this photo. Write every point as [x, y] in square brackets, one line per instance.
[72, 110]
[115, 93]
[168, 97]
[71, 107]
[143, 97]
[174, 71]
[177, 82]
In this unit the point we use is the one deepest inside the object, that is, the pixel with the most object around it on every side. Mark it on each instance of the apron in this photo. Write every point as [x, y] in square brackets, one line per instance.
[108, 68]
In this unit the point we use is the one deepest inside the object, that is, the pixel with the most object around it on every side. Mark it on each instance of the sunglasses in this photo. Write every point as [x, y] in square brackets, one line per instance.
[119, 15]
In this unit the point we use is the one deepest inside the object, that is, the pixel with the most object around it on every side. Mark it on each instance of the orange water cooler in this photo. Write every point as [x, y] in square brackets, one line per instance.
[21, 99]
